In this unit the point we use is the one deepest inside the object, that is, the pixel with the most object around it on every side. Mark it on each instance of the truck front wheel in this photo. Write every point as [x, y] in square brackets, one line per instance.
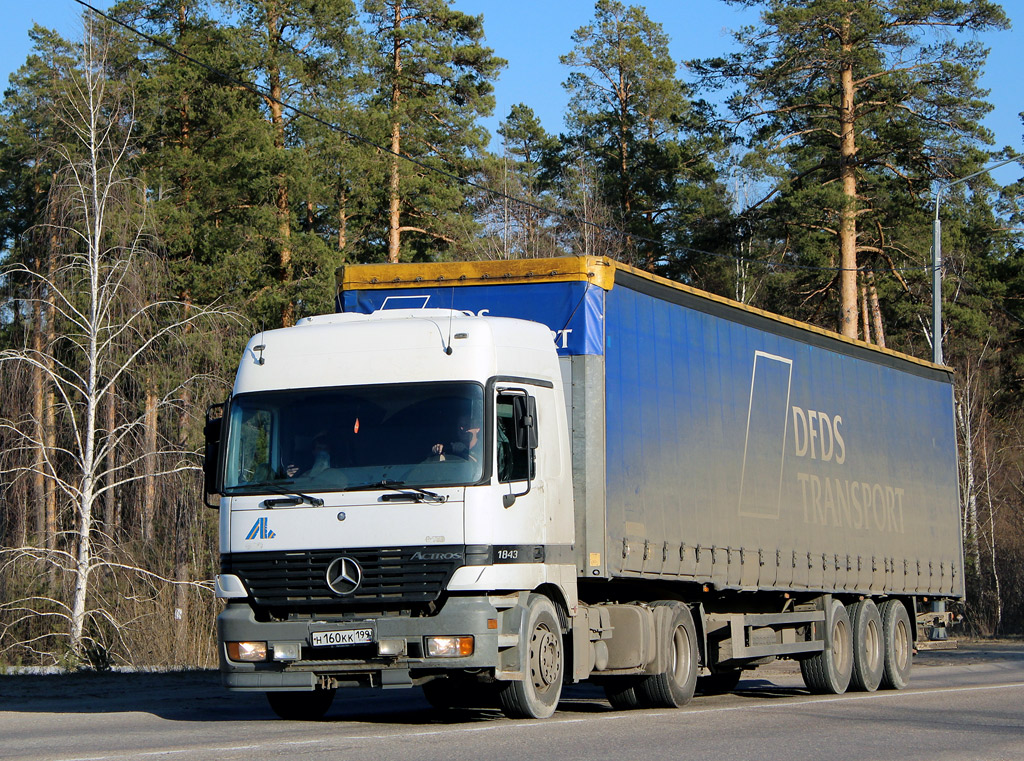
[301, 706]
[674, 688]
[536, 696]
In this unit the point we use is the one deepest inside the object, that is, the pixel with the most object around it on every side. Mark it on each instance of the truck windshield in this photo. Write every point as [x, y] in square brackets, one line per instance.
[360, 437]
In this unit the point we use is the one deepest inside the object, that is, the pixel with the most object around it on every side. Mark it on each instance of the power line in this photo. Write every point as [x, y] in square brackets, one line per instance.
[769, 265]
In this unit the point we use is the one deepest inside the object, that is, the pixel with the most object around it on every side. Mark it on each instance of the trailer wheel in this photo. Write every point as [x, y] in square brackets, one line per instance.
[868, 649]
[301, 706]
[828, 672]
[536, 696]
[898, 643]
[718, 683]
[674, 688]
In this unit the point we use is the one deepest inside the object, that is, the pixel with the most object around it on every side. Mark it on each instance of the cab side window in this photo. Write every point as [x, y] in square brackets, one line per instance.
[514, 464]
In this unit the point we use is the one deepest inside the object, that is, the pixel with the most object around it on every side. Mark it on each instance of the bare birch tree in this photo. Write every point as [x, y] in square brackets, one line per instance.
[981, 494]
[106, 329]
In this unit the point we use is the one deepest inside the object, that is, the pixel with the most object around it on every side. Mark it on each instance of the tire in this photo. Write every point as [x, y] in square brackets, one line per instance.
[674, 688]
[455, 692]
[718, 684]
[829, 672]
[868, 648]
[898, 643]
[301, 706]
[621, 692]
[536, 696]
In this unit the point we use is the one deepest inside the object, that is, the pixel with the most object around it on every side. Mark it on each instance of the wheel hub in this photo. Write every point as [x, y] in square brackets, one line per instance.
[545, 658]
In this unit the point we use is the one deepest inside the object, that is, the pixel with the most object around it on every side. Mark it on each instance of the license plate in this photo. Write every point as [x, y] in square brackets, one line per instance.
[343, 637]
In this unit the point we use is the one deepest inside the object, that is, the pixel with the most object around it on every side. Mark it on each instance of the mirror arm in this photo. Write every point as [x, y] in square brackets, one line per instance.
[507, 500]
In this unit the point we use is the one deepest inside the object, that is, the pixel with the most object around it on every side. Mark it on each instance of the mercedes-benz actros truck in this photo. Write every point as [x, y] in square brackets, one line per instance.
[492, 479]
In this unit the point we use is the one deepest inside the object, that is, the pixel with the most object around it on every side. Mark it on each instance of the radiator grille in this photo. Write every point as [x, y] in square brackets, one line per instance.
[391, 577]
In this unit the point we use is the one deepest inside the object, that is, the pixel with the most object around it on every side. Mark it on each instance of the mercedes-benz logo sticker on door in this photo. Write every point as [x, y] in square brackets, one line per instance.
[344, 575]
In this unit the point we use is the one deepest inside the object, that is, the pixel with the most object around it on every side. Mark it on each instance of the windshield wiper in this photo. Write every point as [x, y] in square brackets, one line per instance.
[402, 491]
[291, 497]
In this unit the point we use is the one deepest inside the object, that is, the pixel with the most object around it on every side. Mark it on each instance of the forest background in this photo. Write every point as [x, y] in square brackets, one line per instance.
[191, 171]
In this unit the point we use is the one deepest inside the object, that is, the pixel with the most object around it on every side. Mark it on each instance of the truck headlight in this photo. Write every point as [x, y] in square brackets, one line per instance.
[286, 651]
[391, 647]
[247, 651]
[449, 647]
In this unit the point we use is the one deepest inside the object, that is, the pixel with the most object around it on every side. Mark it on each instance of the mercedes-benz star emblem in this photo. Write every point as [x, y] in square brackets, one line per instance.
[344, 575]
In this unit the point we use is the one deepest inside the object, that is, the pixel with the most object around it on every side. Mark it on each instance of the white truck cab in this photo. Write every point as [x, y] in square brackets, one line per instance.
[391, 483]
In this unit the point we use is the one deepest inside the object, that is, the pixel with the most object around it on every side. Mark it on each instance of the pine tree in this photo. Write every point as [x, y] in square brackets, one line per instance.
[516, 225]
[337, 192]
[206, 155]
[294, 50]
[853, 109]
[634, 120]
[434, 81]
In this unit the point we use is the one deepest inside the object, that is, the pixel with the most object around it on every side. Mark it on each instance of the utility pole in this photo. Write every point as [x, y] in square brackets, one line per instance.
[937, 257]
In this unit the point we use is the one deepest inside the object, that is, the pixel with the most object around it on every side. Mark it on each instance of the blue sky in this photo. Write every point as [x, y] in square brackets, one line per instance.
[532, 34]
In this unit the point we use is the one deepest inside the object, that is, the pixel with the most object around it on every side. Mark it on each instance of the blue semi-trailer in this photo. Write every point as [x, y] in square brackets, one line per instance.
[554, 470]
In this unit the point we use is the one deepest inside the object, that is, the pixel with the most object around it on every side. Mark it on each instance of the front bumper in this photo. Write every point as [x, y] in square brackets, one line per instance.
[359, 665]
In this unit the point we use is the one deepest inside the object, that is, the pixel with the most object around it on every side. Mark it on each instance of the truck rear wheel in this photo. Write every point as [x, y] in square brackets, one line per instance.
[621, 692]
[301, 706]
[868, 650]
[673, 688]
[828, 672]
[536, 696]
[898, 642]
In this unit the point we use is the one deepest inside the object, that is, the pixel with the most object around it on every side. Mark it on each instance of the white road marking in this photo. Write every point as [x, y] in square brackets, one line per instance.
[553, 722]
[812, 700]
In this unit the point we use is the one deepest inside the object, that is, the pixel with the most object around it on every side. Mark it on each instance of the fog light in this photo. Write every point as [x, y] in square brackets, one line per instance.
[286, 651]
[247, 651]
[449, 647]
[391, 647]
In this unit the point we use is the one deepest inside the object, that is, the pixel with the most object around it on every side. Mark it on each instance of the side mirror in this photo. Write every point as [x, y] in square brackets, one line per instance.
[524, 424]
[524, 414]
[211, 452]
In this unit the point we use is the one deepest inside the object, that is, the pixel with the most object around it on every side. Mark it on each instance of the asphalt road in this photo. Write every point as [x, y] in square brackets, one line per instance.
[962, 705]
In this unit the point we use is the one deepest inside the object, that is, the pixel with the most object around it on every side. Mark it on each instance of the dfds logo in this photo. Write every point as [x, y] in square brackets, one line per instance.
[260, 530]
